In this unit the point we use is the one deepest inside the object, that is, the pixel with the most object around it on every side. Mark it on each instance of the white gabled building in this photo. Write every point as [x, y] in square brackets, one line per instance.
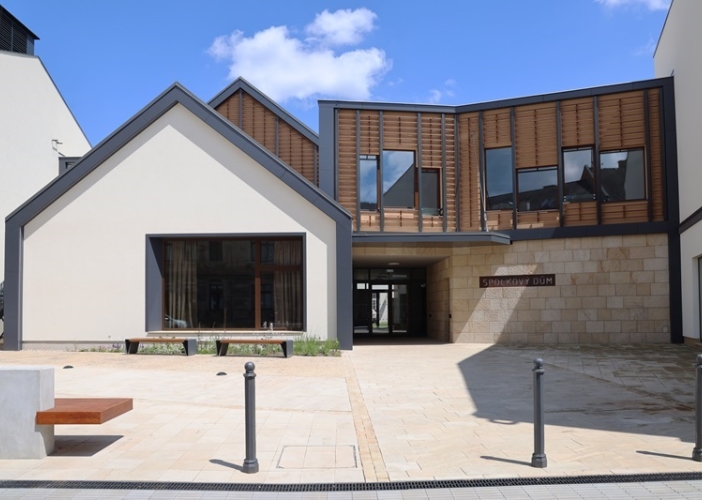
[36, 126]
[678, 55]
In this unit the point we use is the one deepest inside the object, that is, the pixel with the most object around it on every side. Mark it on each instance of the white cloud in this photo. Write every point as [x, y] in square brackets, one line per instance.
[435, 95]
[285, 67]
[649, 4]
[343, 27]
[647, 49]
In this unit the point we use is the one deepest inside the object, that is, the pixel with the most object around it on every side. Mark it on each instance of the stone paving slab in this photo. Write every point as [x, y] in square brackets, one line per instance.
[397, 412]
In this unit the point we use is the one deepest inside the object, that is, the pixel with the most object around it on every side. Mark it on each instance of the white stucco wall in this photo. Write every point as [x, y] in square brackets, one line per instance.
[84, 256]
[678, 54]
[32, 113]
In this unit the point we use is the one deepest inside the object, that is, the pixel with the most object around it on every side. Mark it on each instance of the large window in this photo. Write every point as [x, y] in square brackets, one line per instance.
[368, 165]
[252, 283]
[578, 175]
[498, 170]
[622, 175]
[431, 191]
[398, 179]
[537, 188]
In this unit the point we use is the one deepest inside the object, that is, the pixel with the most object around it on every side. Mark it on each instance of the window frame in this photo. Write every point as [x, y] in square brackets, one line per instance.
[549, 168]
[644, 173]
[511, 169]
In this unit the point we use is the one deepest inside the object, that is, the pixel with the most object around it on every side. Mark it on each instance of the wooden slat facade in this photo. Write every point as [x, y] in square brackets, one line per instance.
[455, 143]
[272, 133]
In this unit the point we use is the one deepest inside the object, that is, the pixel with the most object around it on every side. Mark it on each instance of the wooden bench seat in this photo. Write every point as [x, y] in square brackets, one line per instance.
[131, 346]
[285, 344]
[83, 411]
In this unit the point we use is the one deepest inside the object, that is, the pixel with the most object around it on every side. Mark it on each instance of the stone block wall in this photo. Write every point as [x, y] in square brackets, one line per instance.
[609, 290]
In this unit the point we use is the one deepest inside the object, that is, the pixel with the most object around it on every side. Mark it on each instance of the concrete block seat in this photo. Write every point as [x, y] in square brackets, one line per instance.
[286, 345]
[29, 411]
[131, 346]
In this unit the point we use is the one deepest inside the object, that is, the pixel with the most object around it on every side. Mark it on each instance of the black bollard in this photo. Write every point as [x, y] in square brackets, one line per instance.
[538, 458]
[697, 450]
[250, 462]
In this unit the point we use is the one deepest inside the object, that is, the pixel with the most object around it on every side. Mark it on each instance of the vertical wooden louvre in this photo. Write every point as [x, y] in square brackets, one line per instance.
[266, 128]
[497, 133]
[577, 123]
[656, 141]
[400, 133]
[434, 146]
[622, 125]
[369, 144]
[578, 130]
[347, 161]
[469, 161]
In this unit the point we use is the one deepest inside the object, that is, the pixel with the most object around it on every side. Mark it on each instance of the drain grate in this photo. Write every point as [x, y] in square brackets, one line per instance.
[327, 487]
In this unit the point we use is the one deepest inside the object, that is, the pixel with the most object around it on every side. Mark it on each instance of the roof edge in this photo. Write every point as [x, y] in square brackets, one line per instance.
[242, 84]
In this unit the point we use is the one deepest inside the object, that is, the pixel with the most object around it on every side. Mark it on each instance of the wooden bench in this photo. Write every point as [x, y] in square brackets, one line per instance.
[285, 344]
[131, 346]
[83, 411]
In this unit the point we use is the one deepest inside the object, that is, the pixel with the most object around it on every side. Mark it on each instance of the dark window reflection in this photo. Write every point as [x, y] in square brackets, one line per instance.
[498, 168]
[538, 188]
[368, 166]
[398, 179]
[578, 175]
[431, 204]
[622, 175]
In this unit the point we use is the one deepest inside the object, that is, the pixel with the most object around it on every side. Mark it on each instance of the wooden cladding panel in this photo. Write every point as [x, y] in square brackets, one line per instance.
[535, 135]
[401, 220]
[542, 218]
[347, 161]
[656, 150]
[370, 131]
[431, 140]
[499, 219]
[497, 128]
[469, 161]
[451, 187]
[296, 150]
[400, 130]
[230, 108]
[577, 123]
[580, 214]
[370, 221]
[625, 211]
[258, 122]
[621, 121]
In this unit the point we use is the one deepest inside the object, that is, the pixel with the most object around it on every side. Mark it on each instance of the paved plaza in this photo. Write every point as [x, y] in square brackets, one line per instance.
[385, 412]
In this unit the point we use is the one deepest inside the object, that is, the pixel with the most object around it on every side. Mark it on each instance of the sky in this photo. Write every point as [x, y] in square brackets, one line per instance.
[110, 58]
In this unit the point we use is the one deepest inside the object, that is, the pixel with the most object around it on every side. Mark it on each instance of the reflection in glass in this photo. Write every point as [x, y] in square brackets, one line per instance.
[368, 165]
[430, 192]
[538, 188]
[578, 175]
[204, 293]
[622, 175]
[398, 179]
[498, 172]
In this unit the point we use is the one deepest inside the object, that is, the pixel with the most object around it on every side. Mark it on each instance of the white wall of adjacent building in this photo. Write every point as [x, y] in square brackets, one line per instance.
[678, 54]
[84, 255]
[32, 114]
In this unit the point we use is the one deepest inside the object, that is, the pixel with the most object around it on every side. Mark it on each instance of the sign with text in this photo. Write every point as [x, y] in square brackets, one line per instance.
[523, 280]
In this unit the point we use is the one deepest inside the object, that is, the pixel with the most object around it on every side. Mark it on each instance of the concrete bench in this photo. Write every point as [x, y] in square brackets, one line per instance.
[223, 344]
[131, 346]
[29, 411]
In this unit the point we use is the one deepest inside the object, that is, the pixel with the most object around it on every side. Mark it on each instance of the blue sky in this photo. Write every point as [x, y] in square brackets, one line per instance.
[111, 58]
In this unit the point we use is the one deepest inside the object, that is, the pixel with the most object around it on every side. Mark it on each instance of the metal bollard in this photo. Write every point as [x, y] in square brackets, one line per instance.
[697, 450]
[538, 458]
[250, 462]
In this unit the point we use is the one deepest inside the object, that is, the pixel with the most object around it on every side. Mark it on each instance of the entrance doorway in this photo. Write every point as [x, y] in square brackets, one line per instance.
[389, 302]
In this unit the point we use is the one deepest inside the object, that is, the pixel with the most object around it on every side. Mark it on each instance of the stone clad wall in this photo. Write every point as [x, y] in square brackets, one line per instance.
[609, 290]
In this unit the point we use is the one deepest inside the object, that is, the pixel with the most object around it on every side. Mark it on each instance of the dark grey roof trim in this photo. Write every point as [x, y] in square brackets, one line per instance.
[176, 94]
[503, 103]
[477, 237]
[269, 103]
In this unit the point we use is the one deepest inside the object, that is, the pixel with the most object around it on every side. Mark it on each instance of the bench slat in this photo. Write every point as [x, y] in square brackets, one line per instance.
[84, 410]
